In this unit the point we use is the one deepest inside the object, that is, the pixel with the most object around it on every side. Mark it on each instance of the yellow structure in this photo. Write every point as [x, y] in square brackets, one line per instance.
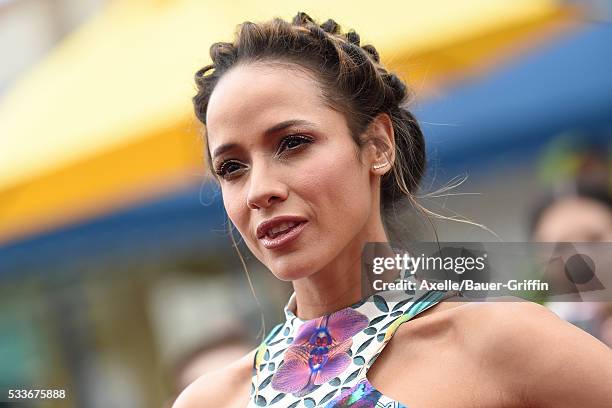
[106, 119]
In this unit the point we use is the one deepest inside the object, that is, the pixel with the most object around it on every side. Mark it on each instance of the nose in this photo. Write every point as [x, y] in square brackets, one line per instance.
[265, 188]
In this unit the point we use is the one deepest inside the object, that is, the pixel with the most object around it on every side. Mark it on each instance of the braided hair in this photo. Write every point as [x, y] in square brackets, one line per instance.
[352, 79]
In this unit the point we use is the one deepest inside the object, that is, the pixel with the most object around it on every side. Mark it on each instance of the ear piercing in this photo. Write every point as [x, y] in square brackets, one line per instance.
[379, 166]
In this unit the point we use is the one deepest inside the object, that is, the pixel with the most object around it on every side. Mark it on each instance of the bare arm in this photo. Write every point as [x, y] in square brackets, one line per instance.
[546, 361]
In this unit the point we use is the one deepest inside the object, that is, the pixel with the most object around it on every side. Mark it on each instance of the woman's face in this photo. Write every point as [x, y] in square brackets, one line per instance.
[575, 219]
[290, 173]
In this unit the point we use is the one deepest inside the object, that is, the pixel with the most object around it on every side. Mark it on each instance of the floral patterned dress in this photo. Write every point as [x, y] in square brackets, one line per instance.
[323, 362]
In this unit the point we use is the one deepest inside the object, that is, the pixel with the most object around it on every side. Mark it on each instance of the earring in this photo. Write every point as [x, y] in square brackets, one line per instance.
[379, 166]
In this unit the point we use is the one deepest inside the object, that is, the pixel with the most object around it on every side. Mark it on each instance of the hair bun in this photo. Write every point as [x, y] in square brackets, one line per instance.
[353, 38]
[372, 51]
[330, 26]
[397, 86]
[302, 19]
[223, 53]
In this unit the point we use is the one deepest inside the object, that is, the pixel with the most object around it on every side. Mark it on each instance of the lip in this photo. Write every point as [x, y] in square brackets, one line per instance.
[284, 239]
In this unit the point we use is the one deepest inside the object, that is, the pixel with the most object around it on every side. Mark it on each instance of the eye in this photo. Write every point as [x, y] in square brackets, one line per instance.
[293, 142]
[228, 169]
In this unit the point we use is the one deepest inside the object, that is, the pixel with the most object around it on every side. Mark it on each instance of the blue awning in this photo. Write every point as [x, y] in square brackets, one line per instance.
[175, 226]
[517, 109]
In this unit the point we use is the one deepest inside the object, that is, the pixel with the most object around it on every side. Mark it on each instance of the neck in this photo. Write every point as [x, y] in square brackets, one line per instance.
[338, 284]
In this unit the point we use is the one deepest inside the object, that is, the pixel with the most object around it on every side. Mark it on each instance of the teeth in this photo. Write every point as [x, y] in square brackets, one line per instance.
[272, 232]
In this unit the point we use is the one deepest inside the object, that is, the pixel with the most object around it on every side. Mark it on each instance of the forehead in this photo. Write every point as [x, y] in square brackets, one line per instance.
[574, 216]
[256, 96]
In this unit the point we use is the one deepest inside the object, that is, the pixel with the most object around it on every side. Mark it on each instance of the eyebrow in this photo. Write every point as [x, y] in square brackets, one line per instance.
[279, 127]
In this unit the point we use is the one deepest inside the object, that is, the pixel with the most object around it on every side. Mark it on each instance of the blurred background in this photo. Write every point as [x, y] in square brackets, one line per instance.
[118, 280]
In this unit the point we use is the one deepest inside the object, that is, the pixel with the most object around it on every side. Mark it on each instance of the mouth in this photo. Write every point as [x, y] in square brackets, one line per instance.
[280, 231]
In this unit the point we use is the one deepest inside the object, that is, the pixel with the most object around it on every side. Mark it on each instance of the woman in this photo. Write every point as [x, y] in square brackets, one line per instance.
[311, 143]
[578, 212]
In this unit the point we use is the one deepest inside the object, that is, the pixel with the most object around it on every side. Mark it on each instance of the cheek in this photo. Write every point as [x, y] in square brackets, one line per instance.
[235, 209]
[337, 185]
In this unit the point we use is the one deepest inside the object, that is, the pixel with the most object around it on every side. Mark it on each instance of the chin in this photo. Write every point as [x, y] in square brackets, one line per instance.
[291, 268]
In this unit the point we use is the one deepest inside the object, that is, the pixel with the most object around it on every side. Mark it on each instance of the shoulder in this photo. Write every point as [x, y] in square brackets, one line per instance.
[227, 386]
[510, 324]
[507, 325]
[537, 356]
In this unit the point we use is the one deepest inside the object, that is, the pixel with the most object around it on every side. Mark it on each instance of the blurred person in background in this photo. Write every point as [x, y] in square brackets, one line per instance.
[209, 356]
[313, 146]
[579, 212]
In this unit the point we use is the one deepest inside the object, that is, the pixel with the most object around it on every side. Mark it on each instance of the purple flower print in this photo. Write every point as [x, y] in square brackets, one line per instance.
[318, 352]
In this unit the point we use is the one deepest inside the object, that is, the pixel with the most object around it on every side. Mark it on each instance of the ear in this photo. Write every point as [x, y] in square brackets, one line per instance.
[380, 144]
